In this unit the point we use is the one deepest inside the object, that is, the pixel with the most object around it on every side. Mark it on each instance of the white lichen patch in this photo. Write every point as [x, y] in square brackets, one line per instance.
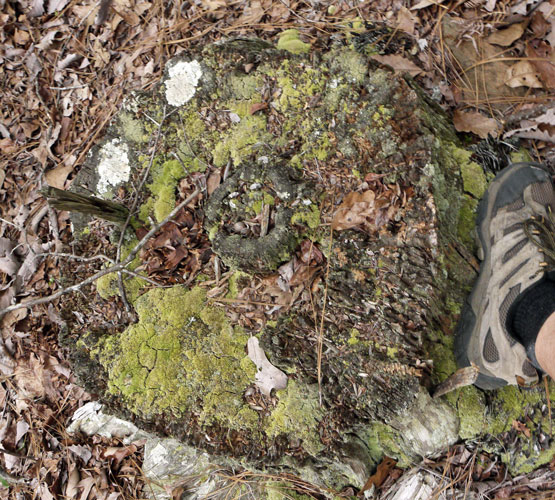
[114, 167]
[182, 82]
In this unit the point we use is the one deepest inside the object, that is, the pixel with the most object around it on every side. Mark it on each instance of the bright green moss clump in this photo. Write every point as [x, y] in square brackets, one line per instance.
[289, 40]
[181, 357]
[164, 184]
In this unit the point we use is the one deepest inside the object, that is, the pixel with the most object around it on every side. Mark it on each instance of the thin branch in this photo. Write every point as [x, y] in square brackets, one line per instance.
[115, 268]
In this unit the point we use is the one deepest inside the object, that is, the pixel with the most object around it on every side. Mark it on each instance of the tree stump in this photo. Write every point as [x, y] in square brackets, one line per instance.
[335, 228]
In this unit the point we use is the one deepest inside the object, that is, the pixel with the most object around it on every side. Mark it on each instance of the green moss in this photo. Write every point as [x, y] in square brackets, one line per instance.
[165, 178]
[386, 438]
[283, 490]
[474, 179]
[310, 216]
[297, 414]
[441, 351]
[521, 155]
[182, 356]
[289, 40]
[471, 412]
[467, 220]
[238, 143]
[510, 404]
[236, 282]
[353, 337]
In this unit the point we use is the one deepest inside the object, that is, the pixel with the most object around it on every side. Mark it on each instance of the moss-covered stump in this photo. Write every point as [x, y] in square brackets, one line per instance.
[283, 140]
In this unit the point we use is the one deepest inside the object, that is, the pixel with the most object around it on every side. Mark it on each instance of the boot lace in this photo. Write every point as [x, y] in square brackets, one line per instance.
[540, 231]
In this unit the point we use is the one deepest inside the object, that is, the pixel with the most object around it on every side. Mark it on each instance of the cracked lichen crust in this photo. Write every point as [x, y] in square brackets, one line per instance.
[182, 358]
[241, 198]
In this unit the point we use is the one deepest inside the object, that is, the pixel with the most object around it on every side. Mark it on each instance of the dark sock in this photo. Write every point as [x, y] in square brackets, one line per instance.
[528, 314]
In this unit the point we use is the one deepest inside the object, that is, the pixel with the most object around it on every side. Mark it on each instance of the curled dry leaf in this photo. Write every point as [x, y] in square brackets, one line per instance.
[542, 58]
[541, 128]
[354, 210]
[268, 377]
[476, 123]
[406, 20]
[507, 36]
[522, 74]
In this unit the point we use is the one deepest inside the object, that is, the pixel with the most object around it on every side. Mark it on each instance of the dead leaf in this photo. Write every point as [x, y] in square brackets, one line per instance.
[507, 36]
[37, 8]
[542, 58]
[541, 128]
[56, 5]
[267, 377]
[354, 210]
[213, 181]
[257, 107]
[252, 14]
[484, 70]
[426, 3]
[406, 20]
[383, 470]
[539, 25]
[118, 453]
[72, 482]
[399, 63]
[57, 176]
[476, 123]
[520, 427]
[213, 4]
[522, 74]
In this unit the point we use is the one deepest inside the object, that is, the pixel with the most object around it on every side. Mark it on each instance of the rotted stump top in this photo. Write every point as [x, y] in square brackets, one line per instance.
[286, 146]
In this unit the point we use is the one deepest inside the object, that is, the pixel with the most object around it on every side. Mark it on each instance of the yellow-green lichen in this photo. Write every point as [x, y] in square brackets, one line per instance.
[289, 40]
[165, 177]
[474, 179]
[297, 415]
[107, 286]
[353, 337]
[386, 438]
[181, 357]
[244, 86]
[131, 128]
[239, 142]
[237, 281]
[471, 412]
[309, 216]
[467, 220]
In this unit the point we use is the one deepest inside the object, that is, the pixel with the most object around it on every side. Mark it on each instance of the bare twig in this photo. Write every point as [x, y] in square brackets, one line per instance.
[321, 327]
[115, 268]
[122, 292]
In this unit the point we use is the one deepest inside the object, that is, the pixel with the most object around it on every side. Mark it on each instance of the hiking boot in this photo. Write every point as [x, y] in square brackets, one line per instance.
[512, 262]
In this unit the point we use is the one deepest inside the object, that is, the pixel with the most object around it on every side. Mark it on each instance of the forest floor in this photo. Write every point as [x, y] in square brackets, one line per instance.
[65, 67]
